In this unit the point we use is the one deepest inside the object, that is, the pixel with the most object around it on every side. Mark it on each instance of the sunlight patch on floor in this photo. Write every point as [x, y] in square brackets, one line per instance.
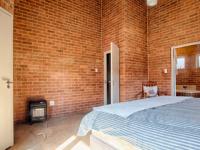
[80, 146]
[66, 143]
[77, 145]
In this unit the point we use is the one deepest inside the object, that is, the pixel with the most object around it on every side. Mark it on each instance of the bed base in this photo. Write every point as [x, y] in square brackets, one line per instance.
[100, 141]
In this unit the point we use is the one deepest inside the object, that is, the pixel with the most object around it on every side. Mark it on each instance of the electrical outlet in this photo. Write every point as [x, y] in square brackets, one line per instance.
[52, 103]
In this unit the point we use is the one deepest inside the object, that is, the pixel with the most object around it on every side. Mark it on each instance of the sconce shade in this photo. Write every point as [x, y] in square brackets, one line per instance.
[152, 2]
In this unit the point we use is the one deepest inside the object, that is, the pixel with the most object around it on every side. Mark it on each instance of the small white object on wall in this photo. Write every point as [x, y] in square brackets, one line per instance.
[152, 3]
[96, 70]
[52, 103]
[165, 71]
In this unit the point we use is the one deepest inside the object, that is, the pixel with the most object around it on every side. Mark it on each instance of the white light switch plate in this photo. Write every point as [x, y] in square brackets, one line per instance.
[52, 103]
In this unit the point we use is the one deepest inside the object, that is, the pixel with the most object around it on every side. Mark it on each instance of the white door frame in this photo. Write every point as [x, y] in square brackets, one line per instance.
[6, 12]
[173, 63]
[105, 76]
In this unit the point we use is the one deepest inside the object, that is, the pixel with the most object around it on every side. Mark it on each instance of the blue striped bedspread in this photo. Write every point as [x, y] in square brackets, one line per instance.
[169, 127]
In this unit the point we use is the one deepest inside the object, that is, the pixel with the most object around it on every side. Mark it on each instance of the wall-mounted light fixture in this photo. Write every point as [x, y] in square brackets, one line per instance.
[152, 3]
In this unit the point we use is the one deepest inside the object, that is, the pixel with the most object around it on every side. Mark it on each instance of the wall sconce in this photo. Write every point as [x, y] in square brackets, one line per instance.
[152, 3]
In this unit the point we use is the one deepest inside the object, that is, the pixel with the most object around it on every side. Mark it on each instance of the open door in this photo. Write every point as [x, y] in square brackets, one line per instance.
[114, 73]
[111, 75]
[6, 78]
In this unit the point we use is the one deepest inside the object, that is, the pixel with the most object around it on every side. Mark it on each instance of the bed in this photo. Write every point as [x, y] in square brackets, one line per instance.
[160, 123]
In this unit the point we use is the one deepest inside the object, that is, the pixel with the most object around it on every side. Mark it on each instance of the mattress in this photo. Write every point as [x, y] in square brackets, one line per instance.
[174, 126]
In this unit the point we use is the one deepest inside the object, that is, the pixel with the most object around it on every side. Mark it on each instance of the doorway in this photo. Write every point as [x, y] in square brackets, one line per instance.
[186, 70]
[108, 78]
[111, 75]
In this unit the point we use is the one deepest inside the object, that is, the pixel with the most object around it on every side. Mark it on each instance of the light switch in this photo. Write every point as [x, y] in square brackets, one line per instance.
[165, 71]
[52, 103]
[96, 70]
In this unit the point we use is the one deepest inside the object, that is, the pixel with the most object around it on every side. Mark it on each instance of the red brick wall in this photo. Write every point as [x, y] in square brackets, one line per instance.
[57, 45]
[56, 49]
[8, 5]
[112, 23]
[124, 23]
[171, 23]
[135, 51]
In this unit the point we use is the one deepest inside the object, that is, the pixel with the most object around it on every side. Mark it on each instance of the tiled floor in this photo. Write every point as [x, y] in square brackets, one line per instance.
[55, 134]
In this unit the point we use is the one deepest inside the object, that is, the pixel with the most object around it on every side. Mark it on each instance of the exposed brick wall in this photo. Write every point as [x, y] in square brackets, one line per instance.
[112, 23]
[57, 45]
[135, 51]
[171, 23]
[124, 23]
[8, 5]
[56, 48]
[190, 75]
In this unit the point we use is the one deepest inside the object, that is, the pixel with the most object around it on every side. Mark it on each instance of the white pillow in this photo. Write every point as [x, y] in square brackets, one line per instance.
[150, 91]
